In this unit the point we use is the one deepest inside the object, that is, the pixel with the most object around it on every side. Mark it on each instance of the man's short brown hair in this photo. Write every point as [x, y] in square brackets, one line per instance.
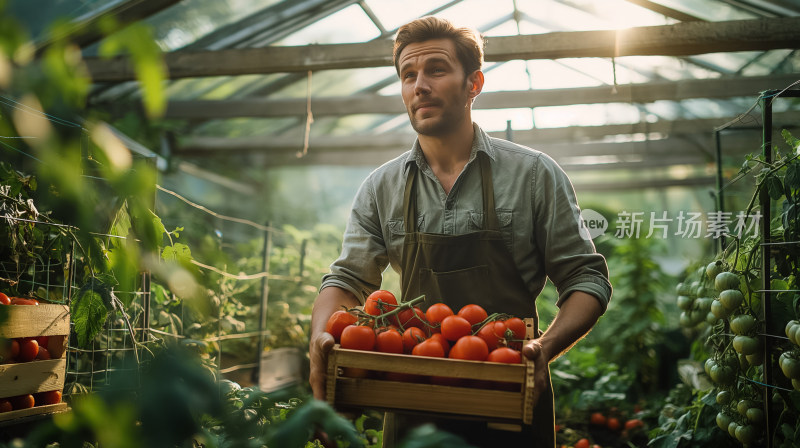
[468, 42]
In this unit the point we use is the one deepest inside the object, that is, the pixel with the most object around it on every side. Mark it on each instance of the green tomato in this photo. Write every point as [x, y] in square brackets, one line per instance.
[789, 326]
[693, 288]
[731, 299]
[711, 318]
[755, 359]
[794, 334]
[713, 269]
[726, 280]
[719, 310]
[682, 289]
[708, 365]
[704, 303]
[755, 415]
[745, 345]
[743, 324]
[790, 366]
[723, 421]
[746, 434]
[744, 405]
[732, 426]
[723, 398]
[685, 302]
[796, 384]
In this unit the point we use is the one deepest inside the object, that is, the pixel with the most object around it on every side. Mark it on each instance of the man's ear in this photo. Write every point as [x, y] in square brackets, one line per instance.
[475, 83]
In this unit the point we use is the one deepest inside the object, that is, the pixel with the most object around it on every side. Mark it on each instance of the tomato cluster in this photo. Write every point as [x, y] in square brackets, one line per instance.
[25, 350]
[387, 326]
[28, 348]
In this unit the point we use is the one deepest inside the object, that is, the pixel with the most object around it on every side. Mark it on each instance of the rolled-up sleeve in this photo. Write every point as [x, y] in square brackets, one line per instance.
[570, 259]
[363, 257]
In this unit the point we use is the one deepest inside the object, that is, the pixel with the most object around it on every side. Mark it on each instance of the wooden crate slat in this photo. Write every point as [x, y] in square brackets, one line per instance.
[35, 320]
[419, 365]
[31, 377]
[392, 395]
[36, 410]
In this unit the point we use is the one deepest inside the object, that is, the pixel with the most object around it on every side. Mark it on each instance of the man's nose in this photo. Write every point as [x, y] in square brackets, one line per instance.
[422, 86]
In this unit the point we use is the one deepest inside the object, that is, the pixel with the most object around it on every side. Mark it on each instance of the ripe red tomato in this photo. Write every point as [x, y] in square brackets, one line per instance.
[412, 317]
[454, 327]
[442, 341]
[358, 337]
[474, 314]
[492, 333]
[411, 337]
[597, 418]
[22, 401]
[43, 354]
[582, 443]
[379, 302]
[4, 300]
[517, 327]
[389, 340]
[28, 349]
[633, 423]
[42, 340]
[56, 346]
[613, 424]
[5, 406]
[436, 314]
[428, 347]
[22, 301]
[471, 348]
[505, 355]
[49, 397]
[337, 322]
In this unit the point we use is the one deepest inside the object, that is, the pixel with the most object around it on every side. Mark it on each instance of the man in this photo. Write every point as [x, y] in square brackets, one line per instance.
[466, 218]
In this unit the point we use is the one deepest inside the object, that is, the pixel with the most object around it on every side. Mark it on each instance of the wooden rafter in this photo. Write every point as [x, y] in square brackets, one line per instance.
[377, 104]
[680, 39]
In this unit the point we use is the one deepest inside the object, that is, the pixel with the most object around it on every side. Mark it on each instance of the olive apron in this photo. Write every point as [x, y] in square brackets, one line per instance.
[475, 267]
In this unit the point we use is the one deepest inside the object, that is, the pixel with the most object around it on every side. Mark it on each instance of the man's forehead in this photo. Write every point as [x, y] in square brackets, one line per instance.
[439, 48]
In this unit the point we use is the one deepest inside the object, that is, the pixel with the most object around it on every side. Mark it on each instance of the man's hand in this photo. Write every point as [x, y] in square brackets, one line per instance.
[318, 348]
[321, 342]
[577, 315]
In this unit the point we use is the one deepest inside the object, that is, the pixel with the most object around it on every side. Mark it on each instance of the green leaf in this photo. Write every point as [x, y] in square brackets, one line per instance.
[790, 139]
[88, 316]
[792, 177]
[177, 252]
[774, 187]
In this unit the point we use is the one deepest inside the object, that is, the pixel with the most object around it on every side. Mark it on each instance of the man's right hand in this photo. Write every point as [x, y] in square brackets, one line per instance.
[329, 300]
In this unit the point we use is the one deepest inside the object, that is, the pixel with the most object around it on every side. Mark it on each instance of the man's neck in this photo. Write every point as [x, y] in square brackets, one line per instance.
[447, 155]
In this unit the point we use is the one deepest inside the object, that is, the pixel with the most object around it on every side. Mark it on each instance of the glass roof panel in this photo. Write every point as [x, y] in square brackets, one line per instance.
[713, 10]
[393, 13]
[38, 19]
[330, 30]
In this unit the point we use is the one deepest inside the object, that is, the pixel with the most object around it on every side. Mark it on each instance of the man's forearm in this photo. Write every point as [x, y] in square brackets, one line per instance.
[577, 315]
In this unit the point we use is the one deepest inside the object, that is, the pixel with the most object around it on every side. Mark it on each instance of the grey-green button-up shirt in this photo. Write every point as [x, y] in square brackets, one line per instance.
[536, 207]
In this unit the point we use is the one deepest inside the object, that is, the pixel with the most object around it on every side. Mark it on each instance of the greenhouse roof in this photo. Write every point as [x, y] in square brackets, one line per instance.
[599, 86]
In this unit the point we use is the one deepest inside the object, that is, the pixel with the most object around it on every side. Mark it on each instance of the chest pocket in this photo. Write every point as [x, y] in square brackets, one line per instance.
[504, 217]
[397, 232]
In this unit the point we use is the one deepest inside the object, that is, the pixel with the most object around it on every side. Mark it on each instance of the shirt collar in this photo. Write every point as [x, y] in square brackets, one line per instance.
[480, 142]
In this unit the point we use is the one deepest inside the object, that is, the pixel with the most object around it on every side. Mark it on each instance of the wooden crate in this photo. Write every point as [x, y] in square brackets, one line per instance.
[463, 389]
[39, 375]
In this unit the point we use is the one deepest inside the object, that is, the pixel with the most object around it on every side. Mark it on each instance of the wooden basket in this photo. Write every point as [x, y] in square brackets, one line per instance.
[38, 375]
[463, 389]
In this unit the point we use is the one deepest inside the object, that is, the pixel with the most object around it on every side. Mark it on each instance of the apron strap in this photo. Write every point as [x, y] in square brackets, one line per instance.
[487, 190]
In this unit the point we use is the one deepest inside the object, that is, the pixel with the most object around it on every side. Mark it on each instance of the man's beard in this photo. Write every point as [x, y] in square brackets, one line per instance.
[448, 120]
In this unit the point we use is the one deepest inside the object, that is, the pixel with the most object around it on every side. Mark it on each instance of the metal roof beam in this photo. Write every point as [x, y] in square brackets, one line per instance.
[680, 39]
[665, 11]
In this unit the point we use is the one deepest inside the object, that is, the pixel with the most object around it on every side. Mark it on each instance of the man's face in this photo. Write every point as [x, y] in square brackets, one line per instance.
[434, 88]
